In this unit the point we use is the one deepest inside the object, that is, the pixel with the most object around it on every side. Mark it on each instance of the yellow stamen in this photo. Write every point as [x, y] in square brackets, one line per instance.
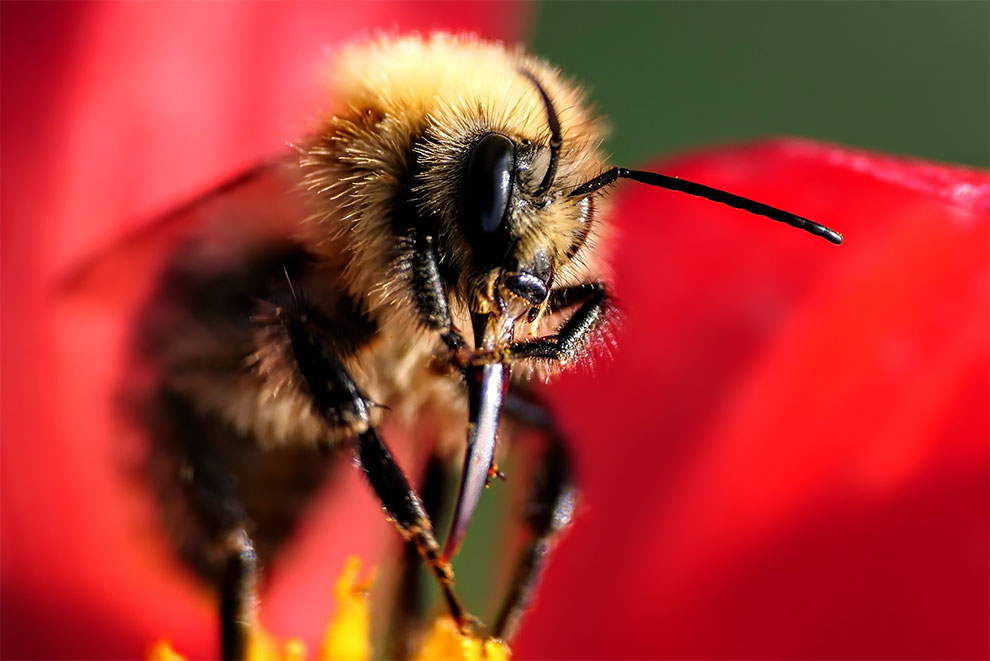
[447, 643]
[348, 635]
[162, 651]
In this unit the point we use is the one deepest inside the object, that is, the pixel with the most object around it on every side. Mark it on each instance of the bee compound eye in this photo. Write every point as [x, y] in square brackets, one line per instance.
[488, 182]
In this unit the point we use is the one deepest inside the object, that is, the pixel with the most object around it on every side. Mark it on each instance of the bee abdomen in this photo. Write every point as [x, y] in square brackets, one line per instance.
[233, 445]
[212, 480]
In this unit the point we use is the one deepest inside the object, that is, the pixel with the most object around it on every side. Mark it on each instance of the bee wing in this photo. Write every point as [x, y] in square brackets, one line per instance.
[260, 200]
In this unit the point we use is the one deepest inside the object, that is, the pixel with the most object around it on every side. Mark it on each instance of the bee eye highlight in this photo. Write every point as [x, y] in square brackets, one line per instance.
[488, 181]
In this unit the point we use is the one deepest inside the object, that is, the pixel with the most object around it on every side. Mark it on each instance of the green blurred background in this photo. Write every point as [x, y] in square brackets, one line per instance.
[902, 77]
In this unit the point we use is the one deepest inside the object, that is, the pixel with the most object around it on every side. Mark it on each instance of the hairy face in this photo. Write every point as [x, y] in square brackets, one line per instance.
[483, 165]
[500, 194]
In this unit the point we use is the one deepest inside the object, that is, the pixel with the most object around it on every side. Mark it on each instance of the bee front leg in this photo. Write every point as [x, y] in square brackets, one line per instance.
[429, 292]
[408, 513]
[548, 510]
[593, 303]
[573, 336]
[339, 400]
[550, 505]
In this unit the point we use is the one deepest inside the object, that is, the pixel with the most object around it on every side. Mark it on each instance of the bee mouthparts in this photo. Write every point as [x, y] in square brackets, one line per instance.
[486, 390]
[487, 385]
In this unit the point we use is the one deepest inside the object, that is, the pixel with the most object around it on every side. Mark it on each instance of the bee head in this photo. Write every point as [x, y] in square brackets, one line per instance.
[508, 227]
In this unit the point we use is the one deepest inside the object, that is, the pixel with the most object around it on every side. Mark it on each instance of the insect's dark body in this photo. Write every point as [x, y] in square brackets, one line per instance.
[453, 218]
[276, 343]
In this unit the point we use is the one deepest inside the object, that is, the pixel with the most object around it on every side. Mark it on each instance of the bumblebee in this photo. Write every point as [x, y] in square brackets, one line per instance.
[440, 245]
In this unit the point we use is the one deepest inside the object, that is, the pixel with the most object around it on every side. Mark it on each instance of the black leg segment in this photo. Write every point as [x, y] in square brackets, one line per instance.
[237, 596]
[430, 292]
[572, 336]
[406, 509]
[409, 605]
[338, 399]
[549, 508]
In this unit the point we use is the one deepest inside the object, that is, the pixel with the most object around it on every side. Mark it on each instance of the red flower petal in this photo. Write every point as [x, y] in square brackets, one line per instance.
[789, 455]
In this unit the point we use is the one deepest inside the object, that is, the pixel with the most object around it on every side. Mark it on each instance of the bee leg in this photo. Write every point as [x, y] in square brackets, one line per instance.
[338, 399]
[237, 595]
[548, 511]
[409, 614]
[430, 293]
[573, 335]
[406, 510]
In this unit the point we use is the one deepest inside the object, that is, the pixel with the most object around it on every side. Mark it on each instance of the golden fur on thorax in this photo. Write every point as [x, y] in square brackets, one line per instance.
[428, 99]
[438, 93]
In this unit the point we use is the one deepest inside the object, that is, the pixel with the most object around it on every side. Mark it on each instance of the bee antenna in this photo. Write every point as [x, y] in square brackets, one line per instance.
[709, 193]
[555, 138]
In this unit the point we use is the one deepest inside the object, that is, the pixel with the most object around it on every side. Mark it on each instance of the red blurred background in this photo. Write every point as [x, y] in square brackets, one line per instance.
[788, 456]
